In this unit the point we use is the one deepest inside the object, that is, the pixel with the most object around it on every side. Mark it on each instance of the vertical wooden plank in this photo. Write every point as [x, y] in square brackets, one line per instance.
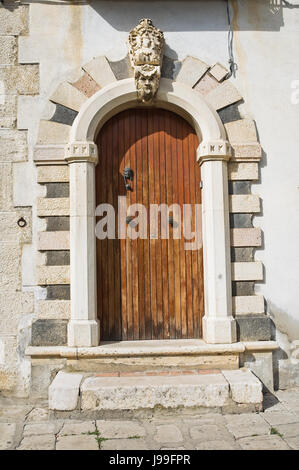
[164, 243]
[140, 246]
[187, 200]
[158, 243]
[122, 192]
[146, 243]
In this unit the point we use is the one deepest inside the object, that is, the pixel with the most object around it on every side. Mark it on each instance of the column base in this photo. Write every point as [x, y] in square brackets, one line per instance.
[219, 330]
[83, 333]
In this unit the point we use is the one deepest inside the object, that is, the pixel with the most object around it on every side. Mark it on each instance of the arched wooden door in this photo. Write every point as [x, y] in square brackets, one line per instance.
[148, 288]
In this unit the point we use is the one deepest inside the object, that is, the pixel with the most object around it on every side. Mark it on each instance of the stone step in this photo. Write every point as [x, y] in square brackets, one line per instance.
[229, 389]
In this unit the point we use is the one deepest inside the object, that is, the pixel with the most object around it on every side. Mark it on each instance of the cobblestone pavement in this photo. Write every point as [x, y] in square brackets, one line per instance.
[28, 426]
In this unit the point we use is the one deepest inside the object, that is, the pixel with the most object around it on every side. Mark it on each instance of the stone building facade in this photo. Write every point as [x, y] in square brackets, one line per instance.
[64, 72]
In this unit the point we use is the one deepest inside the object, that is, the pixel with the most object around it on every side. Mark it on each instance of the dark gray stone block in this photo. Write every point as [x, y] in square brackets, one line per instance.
[57, 224]
[239, 254]
[240, 220]
[58, 190]
[49, 333]
[239, 187]
[170, 68]
[58, 292]
[122, 68]
[243, 287]
[64, 115]
[58, 258]
[230, 113]
[253, 328]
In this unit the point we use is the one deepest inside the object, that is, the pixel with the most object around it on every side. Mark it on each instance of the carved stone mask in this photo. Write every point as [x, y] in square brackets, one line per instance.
[147, 82]
[146, 45]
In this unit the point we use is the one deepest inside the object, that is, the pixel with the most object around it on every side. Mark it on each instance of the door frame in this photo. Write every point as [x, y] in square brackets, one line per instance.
[214, 151]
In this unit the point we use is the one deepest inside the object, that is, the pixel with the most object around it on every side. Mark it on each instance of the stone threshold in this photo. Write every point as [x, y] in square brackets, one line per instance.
[150, 348]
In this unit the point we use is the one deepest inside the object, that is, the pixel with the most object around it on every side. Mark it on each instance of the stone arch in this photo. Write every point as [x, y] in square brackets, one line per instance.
[197, 92]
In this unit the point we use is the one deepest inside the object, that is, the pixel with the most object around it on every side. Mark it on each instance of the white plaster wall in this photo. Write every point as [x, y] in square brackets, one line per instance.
[63, 37]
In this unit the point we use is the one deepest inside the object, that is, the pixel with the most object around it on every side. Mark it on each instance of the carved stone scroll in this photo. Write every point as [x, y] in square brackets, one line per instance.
[146, 44]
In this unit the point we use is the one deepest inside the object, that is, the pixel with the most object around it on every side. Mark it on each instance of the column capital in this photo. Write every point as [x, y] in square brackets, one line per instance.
[213, 150]
[81, 152]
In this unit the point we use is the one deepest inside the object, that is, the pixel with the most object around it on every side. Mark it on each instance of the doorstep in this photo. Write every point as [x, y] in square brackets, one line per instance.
[150, 348]
[226, 390]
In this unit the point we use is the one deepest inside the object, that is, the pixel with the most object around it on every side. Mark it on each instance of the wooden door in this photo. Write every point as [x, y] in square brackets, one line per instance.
[148, 288]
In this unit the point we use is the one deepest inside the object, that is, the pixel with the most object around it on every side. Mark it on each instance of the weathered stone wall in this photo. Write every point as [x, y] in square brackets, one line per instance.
[45, 44]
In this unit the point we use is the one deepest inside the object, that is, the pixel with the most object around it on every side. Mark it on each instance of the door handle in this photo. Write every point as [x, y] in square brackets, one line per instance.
[128, 175]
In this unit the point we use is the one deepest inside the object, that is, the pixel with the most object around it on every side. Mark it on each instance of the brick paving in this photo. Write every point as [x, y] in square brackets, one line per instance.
[30, 427]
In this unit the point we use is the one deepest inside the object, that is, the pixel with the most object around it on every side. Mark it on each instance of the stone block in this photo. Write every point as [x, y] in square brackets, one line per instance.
[206, 84]
[47, 207]
[86, 85]
[124, 444]
[69, 96]
[119, 429]
[241, 131]
[49, 154]
[64, 391]
[243, 171]
[242, 288]
[57, 258]
[14, 21]
[249, 152]
[239, 187]
[100, 71]
[53, 275]
[240, 221]
[54, 224]
[53, 174]
[244, 203]
[121, 68]
[8, 50]
[80, 427]
[43, 442]
[244, 386]
[131, 393]
[61, 292]
[53, 241]
[38, 429]
[168, 433]
[20, 79]
[246, 425]
[13, 302]
[247, 304]
[10, 266]
[246, 237]
[57, 189]
[224, 95]
[251, 271]
[263, 443]
[6, 188]
[13, 146]
[219, 72]
[8, 111]
[7, 435]
[261, 364]
[80, 442]
[239, 254]
[49, 332]
[63, 115]
[51, 132]
[253, 327]
[191, 71]
[54, 309]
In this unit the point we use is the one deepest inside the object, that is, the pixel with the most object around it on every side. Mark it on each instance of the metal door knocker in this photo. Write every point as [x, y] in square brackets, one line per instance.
[128, 175]
[22, 222]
